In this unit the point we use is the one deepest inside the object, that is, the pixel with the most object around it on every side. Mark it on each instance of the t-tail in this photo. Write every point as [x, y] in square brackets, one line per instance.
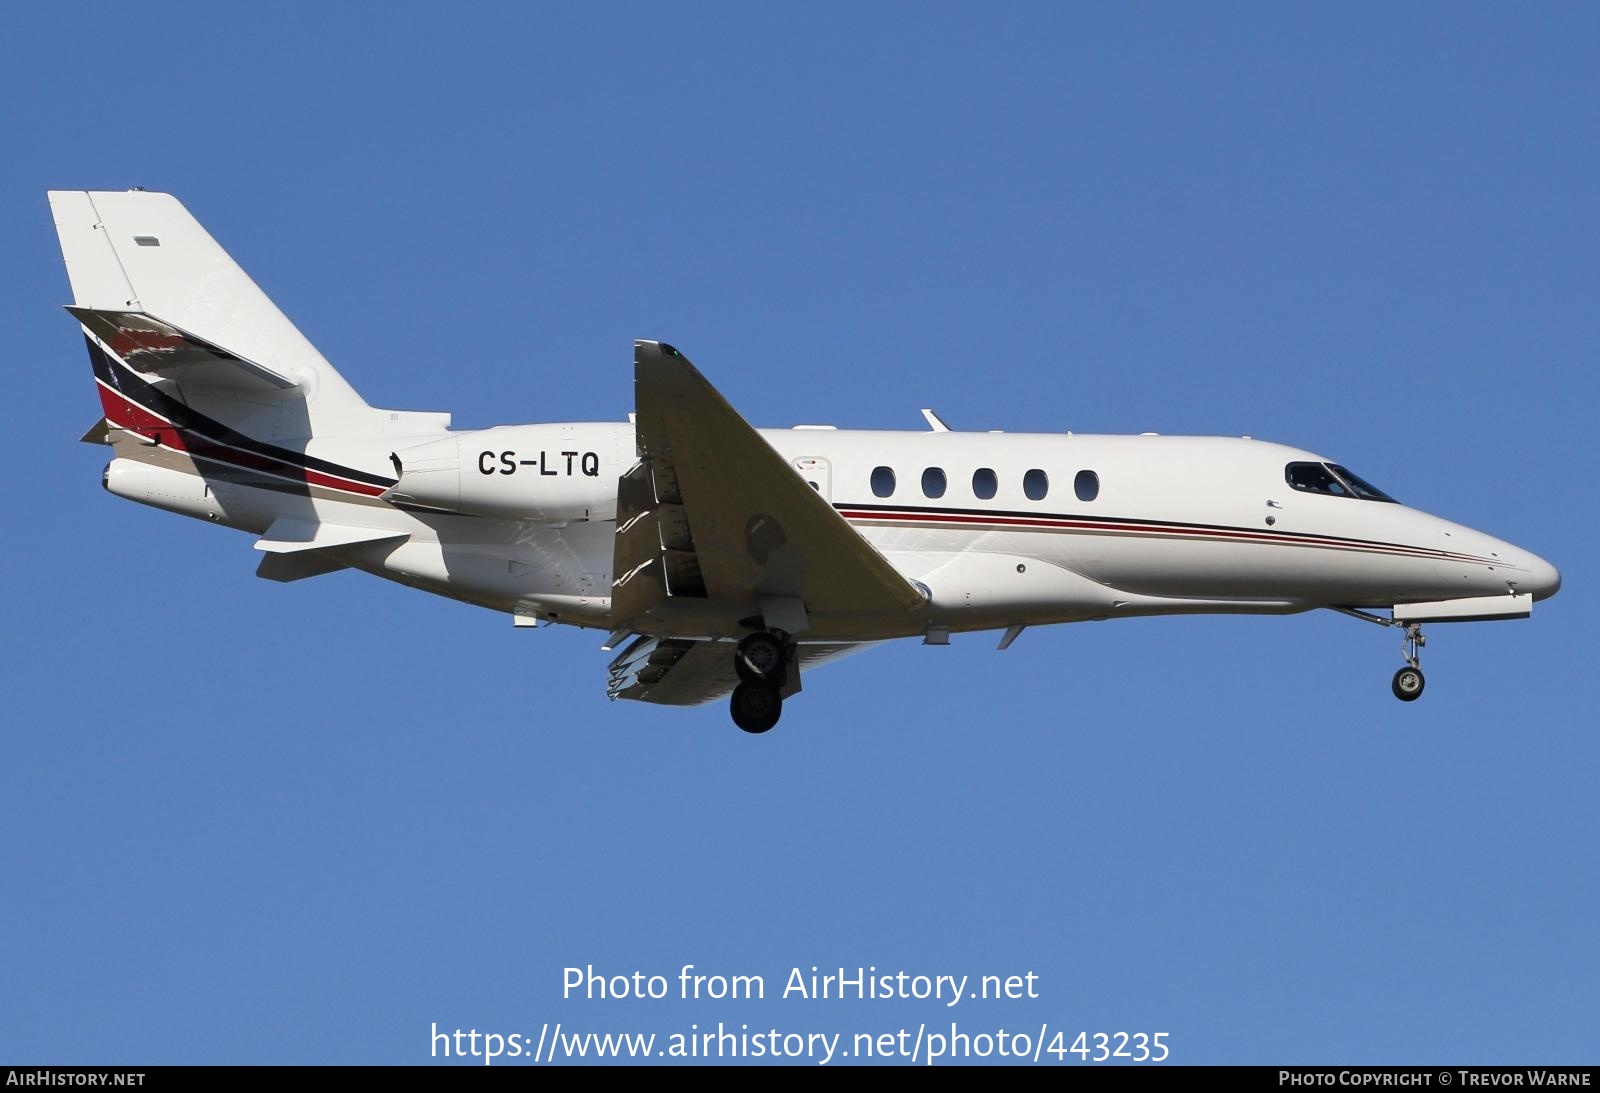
[191, 357]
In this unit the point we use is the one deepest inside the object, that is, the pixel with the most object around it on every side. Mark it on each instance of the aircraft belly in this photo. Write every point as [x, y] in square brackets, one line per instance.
[1326, 573]
[509, 566]
[1170, 566]
[1094, 574]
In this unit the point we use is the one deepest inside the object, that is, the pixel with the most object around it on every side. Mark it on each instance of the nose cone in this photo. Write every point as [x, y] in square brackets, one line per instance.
[1543, 580]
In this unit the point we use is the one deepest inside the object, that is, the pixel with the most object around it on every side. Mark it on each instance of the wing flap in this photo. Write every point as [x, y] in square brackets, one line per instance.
[687, 672]
[672, 672]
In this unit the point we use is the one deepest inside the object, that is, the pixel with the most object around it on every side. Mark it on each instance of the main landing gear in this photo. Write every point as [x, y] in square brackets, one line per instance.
[1408, 681]
[762, 661]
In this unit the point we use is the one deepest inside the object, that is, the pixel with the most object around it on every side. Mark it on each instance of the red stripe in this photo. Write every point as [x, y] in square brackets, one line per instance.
[1062, 523]
[124, 413]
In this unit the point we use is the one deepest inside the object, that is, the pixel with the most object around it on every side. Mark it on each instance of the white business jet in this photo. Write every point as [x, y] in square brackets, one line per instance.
[722, 559]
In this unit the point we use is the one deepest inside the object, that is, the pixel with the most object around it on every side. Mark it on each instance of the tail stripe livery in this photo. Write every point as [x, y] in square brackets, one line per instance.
[134, 404]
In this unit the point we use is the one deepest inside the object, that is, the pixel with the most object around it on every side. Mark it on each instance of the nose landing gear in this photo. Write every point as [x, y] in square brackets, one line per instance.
[1408, 681]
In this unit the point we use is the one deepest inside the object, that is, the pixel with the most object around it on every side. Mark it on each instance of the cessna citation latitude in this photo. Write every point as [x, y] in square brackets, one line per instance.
[722, 560]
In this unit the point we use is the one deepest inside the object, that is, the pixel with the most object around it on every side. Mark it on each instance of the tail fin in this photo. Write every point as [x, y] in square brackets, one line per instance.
[155, 292]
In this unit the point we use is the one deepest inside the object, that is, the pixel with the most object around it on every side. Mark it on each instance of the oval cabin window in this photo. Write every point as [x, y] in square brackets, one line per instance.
[1086, 485]
[984, 484]
[1035, 484]
[882, 482]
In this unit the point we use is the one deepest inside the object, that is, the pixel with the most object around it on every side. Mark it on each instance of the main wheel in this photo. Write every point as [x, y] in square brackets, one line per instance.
[756, 706]
[760, 658]
[1408, 683]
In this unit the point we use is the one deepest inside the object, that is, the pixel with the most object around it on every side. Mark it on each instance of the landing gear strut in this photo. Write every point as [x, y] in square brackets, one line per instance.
[1408, 681]
[762, 662]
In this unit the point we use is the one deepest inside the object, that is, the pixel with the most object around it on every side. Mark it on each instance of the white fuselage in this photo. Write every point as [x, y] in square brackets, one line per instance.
[697, 541]
[1018, 535]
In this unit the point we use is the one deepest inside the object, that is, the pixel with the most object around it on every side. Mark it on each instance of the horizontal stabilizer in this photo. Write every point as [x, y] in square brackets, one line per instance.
[155, 346]
[296, 567]
[99, 433]
[289, 536]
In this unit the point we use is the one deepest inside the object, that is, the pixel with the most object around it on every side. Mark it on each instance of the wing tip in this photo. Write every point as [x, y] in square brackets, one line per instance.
[645, 347]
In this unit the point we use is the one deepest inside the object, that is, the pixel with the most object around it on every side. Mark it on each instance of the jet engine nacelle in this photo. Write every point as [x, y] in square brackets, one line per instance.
[550, 473]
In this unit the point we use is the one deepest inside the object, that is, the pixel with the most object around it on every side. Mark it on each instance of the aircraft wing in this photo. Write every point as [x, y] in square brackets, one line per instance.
[712, 511]
[686, 672]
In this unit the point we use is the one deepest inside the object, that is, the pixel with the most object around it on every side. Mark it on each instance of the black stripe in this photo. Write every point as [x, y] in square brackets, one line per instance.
[122, 379]
[429, 510]
[234, 474]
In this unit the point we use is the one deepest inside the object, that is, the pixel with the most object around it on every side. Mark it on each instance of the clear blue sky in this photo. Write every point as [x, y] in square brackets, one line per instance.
[247, 822]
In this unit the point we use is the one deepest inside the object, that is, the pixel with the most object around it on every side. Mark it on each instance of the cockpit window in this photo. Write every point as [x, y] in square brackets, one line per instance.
[1315, 478]
[1329, 478]
[1360, 486]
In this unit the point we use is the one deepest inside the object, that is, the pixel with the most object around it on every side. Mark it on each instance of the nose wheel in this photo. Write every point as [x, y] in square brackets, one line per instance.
[1408, 684]
[1408, 681]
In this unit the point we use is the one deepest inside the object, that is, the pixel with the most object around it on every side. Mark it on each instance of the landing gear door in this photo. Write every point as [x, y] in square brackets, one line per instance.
[817, 474]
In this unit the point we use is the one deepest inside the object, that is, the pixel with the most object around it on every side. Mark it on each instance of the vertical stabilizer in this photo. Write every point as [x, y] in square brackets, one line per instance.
[141, 252]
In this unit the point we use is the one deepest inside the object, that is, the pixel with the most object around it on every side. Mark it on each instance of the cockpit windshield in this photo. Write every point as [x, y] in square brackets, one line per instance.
[1332, 479]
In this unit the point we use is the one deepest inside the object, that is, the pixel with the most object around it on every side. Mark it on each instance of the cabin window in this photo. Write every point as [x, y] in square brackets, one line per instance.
[984, 483]
[882, 482]
[1086, 485]
[1035, 484]
[933, 482]
[1333, 480]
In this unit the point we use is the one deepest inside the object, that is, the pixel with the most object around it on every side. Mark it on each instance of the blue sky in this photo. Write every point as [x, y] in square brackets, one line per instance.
[245, 822]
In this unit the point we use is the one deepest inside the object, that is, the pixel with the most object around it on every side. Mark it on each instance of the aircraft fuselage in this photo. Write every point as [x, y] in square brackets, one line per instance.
[726, 559]
[1001, 528]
